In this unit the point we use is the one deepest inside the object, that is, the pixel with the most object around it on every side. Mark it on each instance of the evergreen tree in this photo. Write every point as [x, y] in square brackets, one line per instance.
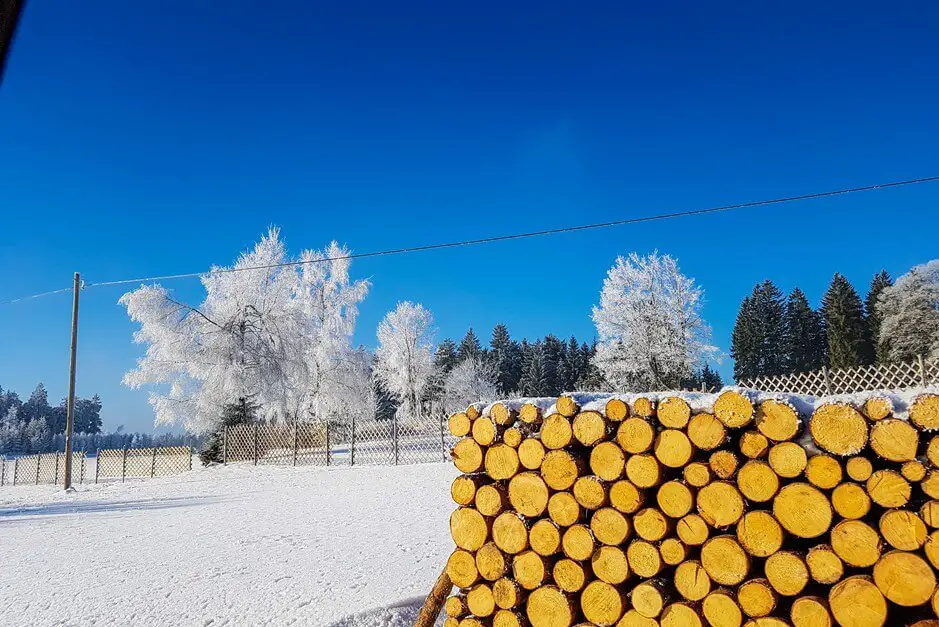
[469, 347]
[805, 335]
[770, 311]
[37, 406]
[711, 379]
[506, 357]
[591, 379]
[553, 355]
[745, 342]
[445, 357]
[88, 415]
[876, 352]
[534, 380]
[845, 328]
[569, 370]
[243, 411]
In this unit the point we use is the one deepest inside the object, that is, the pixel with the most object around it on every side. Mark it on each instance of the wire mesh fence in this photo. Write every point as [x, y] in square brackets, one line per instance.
[918, 373]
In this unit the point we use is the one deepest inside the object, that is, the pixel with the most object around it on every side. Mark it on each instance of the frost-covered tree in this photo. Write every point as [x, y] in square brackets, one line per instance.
[472, 380]
[873, 317]
[844, 324]
[403, 361]
[651, 334]
[909, 311]
[276, 335]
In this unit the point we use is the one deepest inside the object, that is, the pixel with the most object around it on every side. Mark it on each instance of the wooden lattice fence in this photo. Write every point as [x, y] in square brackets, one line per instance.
[141, 463]
[40, 468]
[824, 382]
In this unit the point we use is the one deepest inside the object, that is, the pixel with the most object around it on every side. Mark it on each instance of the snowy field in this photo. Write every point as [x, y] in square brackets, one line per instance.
[239, 545]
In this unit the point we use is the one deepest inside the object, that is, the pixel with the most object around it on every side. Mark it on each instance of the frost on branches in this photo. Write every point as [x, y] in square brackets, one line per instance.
[909, 311]
[651, 334]
[473, 380]
[279, 336]
[403, 360]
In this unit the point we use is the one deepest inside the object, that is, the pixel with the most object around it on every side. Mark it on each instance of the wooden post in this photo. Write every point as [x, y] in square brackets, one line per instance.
[153, 463]
[443, 442]
[81, 476]
[352, 444]
[55, 480]
[328, 447]
[256, 444]
[434, 601]
[70, 404]
[38, 466]
[124, 466]
[296, 441]
[394, 435]
[827, 380]
[225, 446]
[922, 370]
[97, 463]
[3, 469]
[190, 457]
[16, 465]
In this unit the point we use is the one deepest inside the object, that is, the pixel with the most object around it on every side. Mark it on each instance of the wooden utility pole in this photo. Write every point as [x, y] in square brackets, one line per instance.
[70, 408]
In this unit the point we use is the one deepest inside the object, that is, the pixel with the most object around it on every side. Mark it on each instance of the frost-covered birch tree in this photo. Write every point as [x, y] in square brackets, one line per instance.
[909, 311]
[472, 380]
[404, 358]
[278, 335]
[649, 325]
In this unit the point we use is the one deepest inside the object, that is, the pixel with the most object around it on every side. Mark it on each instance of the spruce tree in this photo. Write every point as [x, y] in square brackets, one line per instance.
[745, 342]
[469, 347]
[506, 357]
[845, 328]
[805, 335]
[37, 406]
[534, 380]
[877, 351]
[243, 411]
[553, 355]
[591, 379]
[569, 370]
[711, 379]
[445, 357]
[770, 311]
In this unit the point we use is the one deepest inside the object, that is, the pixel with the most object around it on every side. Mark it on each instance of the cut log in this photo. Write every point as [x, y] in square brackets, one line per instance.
[491, 500]
[626, 497]
[512, 436]
[932, 451]
[777, 420]
[930, 484]
[507, 593]
[758, 481]
[697, 474]
[556, 432]
[648, 599]
[856, 543]
[692, 530]
[609, 526]
[616, 410]
[825, 566]
[734, 409]
[888, 488]
[632, 618]
[510, 533]
[461, 568]
[644, 559]
[692, 580]
[924, 412]
[609, 564]
[706, 432]
[673, 412]
[589, 427]
[484, 431]
[577, 542]
[473, 412]
[756, 598]
[679, 615]
[602, 604]
[753, 444]
[786, 572]
[607, 461]
[530, 413]
[644, 407]
[467, 455]
[567, 406]
[913, 471]
[635, 435]
[564, 509]
[877, 408]
[463, 489]
[560, 469]
[725, 560]
[859, 468]
[651, 524]
[673, 448]
[530, 570]
[810, 612]
[528, 494]
[544, 537]
[839, 429]
[720, 609]
[903, 529]
[673, 551]
[472, 621]
[590, 492]
[787, 459]
[468, 528]
[931, 549]
[929, 513]
[531, 452]
[802, 510]
[508, 618]
[548, 606]
[569, 576]
[723, 464]
[502, 415]
[759, 533]
[459, 424]
[455, 606]
[491, 563]
[857, 602]
[479, 601]
[644, 471]
[894, 440]
[851, 501]
[674, 499]
[823, 471]
[905, 578]
[720, 504]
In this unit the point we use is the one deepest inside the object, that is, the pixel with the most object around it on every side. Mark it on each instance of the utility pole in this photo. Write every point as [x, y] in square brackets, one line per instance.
[70, 408]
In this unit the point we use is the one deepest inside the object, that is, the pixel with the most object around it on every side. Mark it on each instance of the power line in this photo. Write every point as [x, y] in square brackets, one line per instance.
[504, 238]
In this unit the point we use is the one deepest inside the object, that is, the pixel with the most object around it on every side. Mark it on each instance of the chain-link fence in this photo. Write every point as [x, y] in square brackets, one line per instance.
[374, 442]
[918, 373]
[40, 468]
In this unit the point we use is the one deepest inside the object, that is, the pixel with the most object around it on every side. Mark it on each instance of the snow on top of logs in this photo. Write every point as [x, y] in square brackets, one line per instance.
[898, 401]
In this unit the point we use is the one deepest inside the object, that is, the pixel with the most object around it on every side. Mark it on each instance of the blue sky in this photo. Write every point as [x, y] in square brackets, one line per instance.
[159, 137]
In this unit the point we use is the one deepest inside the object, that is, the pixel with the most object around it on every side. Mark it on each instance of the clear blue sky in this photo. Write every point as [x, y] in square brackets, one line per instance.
[141, 138]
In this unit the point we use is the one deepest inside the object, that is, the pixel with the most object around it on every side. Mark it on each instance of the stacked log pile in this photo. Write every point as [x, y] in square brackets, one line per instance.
[737, 508]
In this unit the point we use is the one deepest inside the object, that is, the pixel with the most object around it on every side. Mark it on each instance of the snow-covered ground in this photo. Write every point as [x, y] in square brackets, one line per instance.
[239, 545]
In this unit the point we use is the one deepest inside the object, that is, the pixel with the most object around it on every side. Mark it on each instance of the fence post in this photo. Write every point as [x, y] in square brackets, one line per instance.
[3, 469]
[443, 442]
[352, 444]
[97, 463]
[225, 446]
[256, 444]
[38, 466]
[124, 466]
[827, 380]
[81, 475]
[153, 463]
[55, 480]
[922, 370]
[296, 441]
[190, 457]
[16, 465]
[394, 435]
[328, 447]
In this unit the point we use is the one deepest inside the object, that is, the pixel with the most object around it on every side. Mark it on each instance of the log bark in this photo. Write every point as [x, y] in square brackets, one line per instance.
[434, 601]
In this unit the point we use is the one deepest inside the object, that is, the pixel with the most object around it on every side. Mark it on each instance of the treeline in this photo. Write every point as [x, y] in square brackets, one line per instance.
[776, 335]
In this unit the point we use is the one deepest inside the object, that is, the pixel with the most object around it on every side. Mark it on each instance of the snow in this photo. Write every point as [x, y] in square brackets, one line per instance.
[236, 545]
